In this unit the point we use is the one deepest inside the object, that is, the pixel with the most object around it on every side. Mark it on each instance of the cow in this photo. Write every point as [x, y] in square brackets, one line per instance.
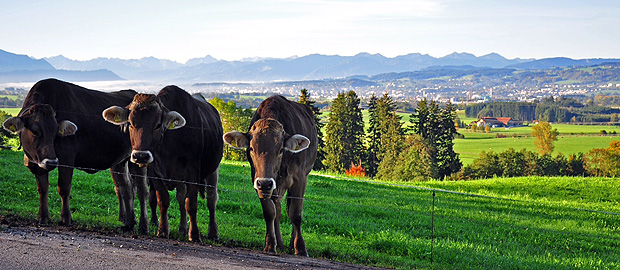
[178, 137]
[57, 129]
[281, 147]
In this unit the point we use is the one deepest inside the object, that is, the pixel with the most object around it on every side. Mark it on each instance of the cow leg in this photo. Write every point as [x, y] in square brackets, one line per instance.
[181, 195]
[163, 201]
[294, 205]
[191, 205]
[212, 198]
[140, 182]
[153, 203]
[65, 176]
[269, 213]
[43, 187]
[278, 203]
[124, 192]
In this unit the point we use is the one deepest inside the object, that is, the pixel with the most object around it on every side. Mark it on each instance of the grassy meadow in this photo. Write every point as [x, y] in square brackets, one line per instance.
[11, 111]
[501, 223]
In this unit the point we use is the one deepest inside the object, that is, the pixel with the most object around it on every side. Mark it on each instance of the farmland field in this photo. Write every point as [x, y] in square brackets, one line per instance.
[502, 223]
[11, 111]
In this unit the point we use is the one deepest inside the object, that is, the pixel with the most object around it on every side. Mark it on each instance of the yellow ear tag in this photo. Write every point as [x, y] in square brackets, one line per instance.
[171, 126]
[61, 132]
[116, 118]
[12, 128]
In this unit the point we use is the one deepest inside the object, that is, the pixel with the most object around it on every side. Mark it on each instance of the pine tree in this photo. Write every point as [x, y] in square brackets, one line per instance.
[436, 127]
[344, 133]
[320, 155]
[385, 134]
[374, 140]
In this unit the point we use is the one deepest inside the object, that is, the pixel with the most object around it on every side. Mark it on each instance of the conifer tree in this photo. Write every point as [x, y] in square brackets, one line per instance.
[374, 140]
[436, 127]
[320, 155]
[344, 133]
[385, 135]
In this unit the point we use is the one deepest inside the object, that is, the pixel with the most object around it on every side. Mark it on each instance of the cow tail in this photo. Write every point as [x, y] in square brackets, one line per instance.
[202, 187]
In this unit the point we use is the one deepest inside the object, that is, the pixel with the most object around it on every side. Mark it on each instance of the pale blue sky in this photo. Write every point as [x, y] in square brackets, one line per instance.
[236, 29]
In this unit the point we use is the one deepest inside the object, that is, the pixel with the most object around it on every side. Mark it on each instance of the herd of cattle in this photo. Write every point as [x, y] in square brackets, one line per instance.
[156, 143]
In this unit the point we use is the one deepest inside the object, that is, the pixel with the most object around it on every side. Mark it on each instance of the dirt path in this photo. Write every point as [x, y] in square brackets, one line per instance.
[31, 248]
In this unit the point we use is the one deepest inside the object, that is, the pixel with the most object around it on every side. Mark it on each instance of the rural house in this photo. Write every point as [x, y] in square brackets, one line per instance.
[497, 122]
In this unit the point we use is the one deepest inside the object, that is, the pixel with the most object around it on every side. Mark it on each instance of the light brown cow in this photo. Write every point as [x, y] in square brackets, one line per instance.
[281, 147]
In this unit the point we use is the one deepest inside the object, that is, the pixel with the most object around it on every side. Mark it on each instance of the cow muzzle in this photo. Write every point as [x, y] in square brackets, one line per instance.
[264, 187]
[48, 164]
[142, 158]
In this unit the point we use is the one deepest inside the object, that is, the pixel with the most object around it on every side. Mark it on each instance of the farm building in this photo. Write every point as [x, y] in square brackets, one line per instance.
[498, 122]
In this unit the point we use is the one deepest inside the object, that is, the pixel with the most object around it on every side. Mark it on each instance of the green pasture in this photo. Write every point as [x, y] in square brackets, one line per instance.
[10, 97]
[11, 111]
[573, 139]
[522, 223]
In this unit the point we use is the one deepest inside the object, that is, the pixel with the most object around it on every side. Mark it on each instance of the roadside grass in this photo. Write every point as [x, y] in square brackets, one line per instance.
[525, 223]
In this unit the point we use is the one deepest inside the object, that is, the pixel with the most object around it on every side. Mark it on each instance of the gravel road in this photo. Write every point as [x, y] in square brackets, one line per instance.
[30, 248]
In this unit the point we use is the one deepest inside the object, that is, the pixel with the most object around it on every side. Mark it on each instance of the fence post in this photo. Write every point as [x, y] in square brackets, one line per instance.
[432, 227]
[243, 187]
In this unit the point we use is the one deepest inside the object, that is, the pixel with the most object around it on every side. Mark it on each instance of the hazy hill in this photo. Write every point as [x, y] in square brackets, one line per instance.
[556, 62]
[309, 67]
[22, 68]
[11, 62]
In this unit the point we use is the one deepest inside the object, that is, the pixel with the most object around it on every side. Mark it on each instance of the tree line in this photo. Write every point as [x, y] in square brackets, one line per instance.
[550, 109]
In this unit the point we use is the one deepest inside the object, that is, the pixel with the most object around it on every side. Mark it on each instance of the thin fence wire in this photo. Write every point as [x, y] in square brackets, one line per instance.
[432, 214]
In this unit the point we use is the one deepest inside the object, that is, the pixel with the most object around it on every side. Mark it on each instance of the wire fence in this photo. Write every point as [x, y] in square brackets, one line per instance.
[433, 194]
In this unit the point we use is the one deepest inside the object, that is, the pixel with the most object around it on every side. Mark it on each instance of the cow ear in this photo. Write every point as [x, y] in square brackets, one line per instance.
[116, 115]
[173, 120]
[297, 143]
[13, 124]
[66, 128]
[236, 139]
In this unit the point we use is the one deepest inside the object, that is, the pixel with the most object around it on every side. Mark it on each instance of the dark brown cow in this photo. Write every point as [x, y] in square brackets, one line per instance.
[190, 154]
[281, 147]
[58, 126]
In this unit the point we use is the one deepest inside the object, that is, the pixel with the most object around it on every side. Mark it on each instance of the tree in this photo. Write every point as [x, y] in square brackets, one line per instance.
[413, 163]
[373, 138]
[385, 135]
[344, 133]
[233, 118]
[320, 155]
[544, 137]
[436, 127]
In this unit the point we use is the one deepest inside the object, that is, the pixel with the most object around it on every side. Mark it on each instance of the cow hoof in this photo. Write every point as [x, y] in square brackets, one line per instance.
[127, 228]
[143, 230]
[213, 237]
[65, 223]
[301, 253]
[270, 249]
[43, 221]
[195, 240]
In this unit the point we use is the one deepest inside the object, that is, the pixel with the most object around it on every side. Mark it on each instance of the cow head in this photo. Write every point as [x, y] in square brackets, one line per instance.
[148, 119]
[37, 128]
[266, 142]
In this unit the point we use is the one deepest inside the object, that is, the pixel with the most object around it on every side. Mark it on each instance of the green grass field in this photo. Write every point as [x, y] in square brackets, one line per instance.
[525, 223]
[11, 111]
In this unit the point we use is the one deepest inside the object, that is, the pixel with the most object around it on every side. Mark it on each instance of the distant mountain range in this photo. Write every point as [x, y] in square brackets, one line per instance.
[208, 69]
[22, 68]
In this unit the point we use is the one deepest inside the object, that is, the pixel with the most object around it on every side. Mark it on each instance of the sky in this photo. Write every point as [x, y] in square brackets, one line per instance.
[238, 29]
